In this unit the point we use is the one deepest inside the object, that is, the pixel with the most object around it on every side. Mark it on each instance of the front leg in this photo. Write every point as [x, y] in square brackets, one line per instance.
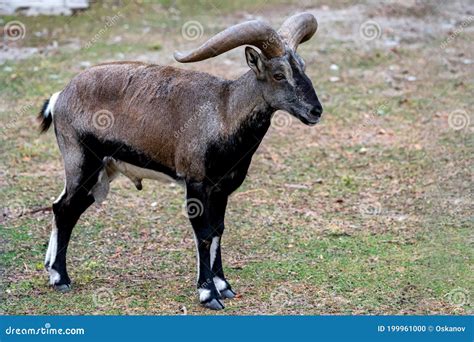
[207, 238]
[218, 204]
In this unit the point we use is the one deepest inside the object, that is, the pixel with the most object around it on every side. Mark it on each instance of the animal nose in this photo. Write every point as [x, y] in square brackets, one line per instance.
[317, 111]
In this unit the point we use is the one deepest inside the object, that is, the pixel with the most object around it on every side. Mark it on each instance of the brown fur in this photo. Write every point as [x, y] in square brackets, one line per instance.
[168, 113]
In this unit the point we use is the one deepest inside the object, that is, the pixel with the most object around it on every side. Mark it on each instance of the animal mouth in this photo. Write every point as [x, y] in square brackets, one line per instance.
[309, 122]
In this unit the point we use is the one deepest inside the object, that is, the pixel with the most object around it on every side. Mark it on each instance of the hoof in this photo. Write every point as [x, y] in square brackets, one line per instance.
[214, 304]
[138, 184]
[227, 294]
[63, 288]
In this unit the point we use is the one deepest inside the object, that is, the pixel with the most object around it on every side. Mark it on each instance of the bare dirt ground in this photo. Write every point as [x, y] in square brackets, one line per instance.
[369, 212]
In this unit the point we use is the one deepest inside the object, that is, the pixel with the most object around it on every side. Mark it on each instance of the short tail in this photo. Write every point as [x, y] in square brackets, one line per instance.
[45, 117]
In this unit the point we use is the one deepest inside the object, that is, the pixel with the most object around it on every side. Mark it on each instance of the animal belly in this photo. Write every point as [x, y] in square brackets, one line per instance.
[114, 167]
[136, 174]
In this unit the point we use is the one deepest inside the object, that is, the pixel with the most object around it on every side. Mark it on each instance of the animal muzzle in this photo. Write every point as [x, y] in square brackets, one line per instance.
[313, 116]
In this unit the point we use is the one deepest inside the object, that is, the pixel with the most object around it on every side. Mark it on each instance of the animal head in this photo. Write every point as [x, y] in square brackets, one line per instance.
[278, 67]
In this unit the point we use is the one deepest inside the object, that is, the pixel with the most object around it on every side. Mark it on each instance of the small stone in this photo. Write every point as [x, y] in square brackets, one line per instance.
[334, 79]
[85, 64]
[334, 67]
[401, 218]
[154, 204]
[390, 42]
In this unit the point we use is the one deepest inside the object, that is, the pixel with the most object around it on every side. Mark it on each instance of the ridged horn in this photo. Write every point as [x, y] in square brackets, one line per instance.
[255, 32]
[298, 29]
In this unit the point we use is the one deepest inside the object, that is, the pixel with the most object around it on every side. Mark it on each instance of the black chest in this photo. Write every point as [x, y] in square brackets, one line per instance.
[228, 158]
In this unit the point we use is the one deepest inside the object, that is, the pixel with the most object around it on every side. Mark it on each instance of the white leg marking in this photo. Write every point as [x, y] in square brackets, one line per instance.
[197, 255]
[54, 277]
[213, 251]
[52, 101]
[52, 247]
[52, 250]
[204, 294]
[220, 284]
[60, 196]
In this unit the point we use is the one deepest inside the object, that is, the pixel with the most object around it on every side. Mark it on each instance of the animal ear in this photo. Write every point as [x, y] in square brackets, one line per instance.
[254, 61]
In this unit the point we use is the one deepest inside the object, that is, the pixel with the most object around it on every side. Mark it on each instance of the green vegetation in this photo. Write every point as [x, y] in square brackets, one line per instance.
[368, 213]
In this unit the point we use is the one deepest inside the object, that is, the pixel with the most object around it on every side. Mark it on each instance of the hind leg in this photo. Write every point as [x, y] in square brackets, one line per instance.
[81, 175]
[67, 211]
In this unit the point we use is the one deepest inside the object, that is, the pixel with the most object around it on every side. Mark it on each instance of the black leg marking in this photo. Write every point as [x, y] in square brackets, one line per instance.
[208, 229]
[67, 211]
[218, 204]
[204, 234]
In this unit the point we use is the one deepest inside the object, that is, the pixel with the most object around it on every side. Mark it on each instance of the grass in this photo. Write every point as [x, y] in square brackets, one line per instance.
[368, 213]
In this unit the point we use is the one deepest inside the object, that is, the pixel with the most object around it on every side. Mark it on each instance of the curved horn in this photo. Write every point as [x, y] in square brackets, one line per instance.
[298, 29]
[255, 32]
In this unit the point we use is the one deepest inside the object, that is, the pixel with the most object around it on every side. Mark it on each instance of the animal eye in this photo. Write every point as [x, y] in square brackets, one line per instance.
[279, 76]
